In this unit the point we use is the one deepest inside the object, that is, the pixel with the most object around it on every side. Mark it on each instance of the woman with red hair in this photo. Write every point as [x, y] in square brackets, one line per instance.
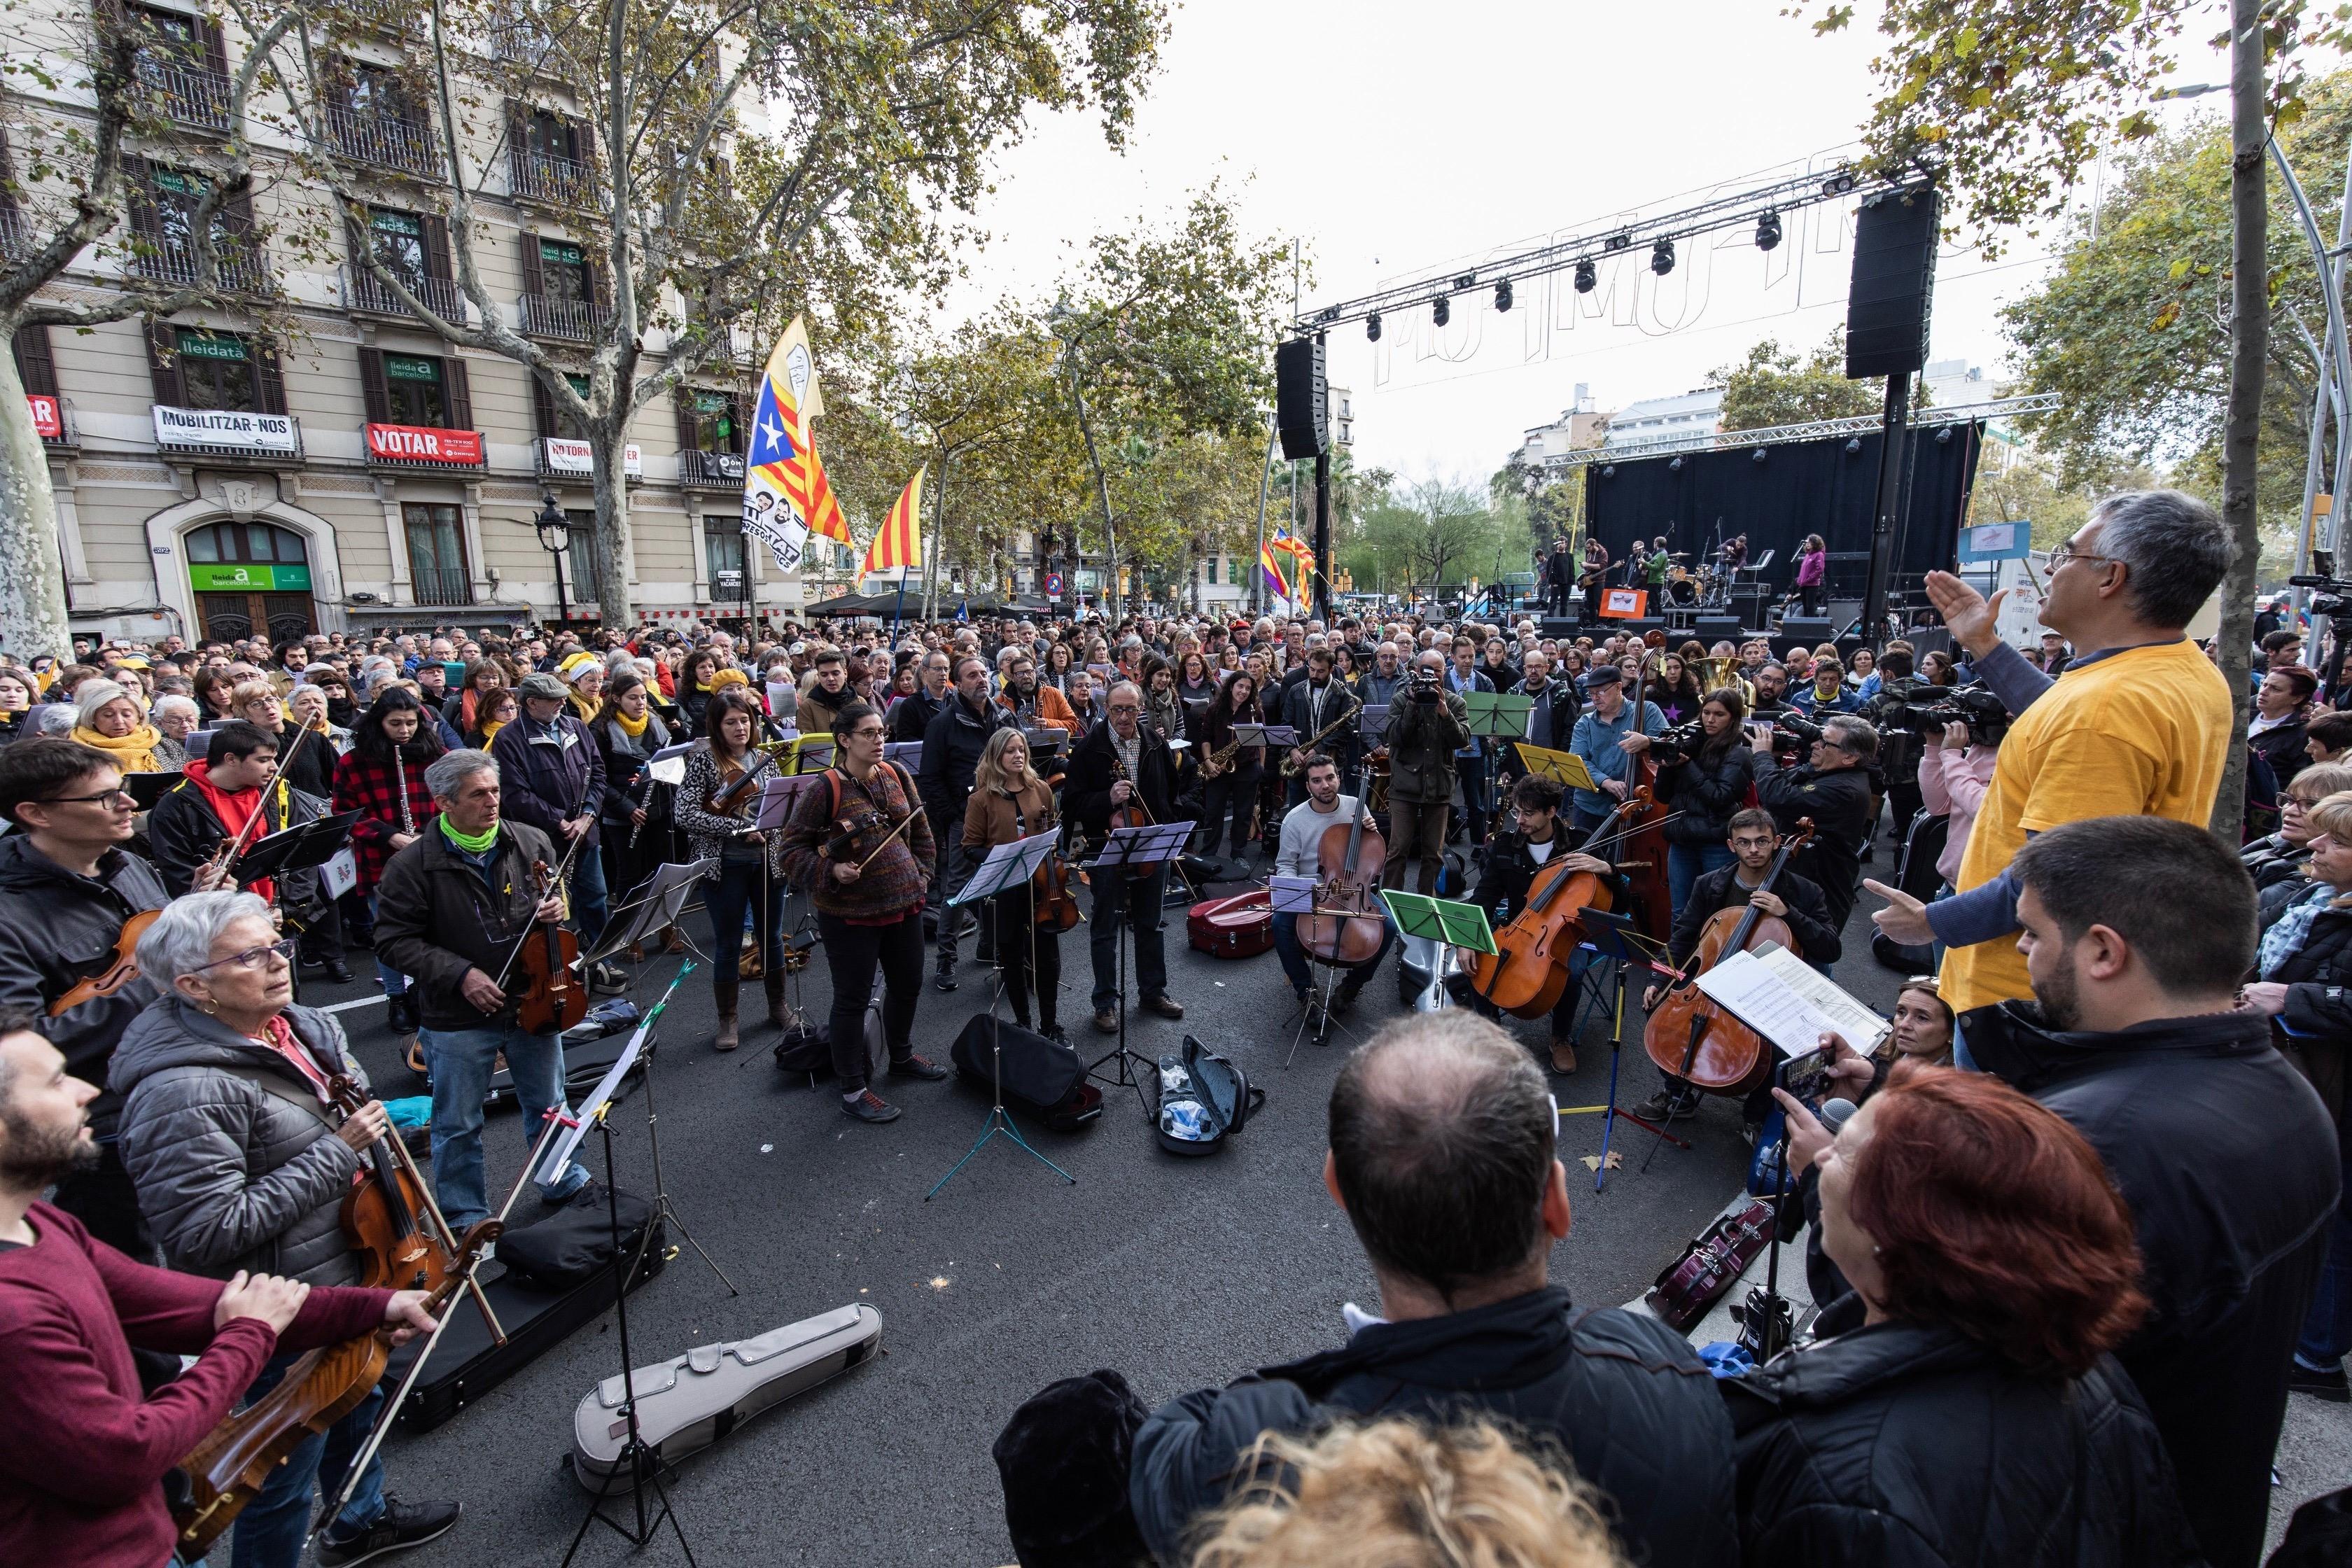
[1966, 1410]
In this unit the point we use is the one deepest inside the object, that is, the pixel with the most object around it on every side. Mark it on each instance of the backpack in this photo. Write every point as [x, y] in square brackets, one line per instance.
[575, 1244]
[1203, 1097]
[1043, 1077]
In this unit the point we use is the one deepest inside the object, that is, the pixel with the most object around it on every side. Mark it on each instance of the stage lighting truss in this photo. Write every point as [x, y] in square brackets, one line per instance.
[1503, 295]
[1372, 326]
[1936, 419]
[1764, 210]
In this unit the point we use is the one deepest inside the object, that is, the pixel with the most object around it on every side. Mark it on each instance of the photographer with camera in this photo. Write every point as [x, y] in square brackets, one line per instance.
[1427, 725]
[1955, 772]
[1901, 746]
[2138, 725]
[1832, 789]
[1704, 773]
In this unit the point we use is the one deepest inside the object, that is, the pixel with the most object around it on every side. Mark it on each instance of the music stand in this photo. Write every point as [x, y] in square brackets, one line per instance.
[1274, 737]
[1008, 866]
[908, 754]
[1450, 921]
[1153, 844]
[657, 903]
[1563, 768]
[146, 789]
[1495, 716]
[1296, 896]
[1614, 938]
[1373, 720]
[302, 848]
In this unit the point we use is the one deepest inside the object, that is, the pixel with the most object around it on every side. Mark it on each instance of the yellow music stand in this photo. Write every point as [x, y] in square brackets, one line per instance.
[1565, 768]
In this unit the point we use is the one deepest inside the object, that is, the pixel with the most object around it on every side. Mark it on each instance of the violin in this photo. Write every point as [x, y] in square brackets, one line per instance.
[1049, 891]
[1348, 859]
[1528, 972]
[117, 973]
[1134, 813]
[1695, 1037]
[229, 1467]
[380, 1214]
[553, 998]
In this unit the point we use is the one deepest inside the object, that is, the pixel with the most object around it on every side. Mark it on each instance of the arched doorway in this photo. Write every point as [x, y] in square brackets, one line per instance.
[250, 579]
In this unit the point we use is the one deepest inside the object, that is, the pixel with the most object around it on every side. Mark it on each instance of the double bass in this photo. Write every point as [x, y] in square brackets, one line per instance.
[1642, 860]
[1528, 972]
[1694, 1038]
[1349, 926]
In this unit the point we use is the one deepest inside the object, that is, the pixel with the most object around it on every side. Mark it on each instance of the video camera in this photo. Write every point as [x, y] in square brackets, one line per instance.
[1791, 730]
[2333, 596]
[1426, 684]
[1975, 706]
[1679, 741]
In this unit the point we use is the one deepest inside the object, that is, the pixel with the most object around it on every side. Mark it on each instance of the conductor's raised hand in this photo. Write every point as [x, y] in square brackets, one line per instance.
[1972, 619]
[1904, 918]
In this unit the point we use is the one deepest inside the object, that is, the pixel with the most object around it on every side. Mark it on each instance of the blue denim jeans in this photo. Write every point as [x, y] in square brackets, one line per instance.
[1294, 956]
[588, 901]
[461, 1061]
[271, 1530]
[393, 981]
[2326, 1335]
[1686, 863]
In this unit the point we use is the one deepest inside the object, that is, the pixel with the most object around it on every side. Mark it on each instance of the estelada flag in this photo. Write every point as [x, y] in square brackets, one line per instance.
[898, 543]
[786, 496]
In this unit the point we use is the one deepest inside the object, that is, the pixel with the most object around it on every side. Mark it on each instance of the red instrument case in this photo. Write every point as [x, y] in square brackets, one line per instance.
[1240, 926]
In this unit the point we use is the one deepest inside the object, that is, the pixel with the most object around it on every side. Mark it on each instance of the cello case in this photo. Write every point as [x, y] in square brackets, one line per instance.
[1239, 927]
[689, 1402]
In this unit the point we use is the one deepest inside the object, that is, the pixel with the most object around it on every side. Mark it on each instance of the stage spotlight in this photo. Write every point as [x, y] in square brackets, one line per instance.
[1675, 466]
[1610, 472]
[1662, 257]
[1586, 278]
[1767, 231]
[1440, 309]
[1757, 456]
[1618, 241]
[1372, 326]
[1503, 295]
[1944, 437]
[1853, 445]
[1838, 183]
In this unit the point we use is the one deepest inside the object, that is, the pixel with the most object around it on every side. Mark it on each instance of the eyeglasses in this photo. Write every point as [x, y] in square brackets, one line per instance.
[2062, 554]
[253, 957]
[103, 797]
[1125, 708]
[868, 732]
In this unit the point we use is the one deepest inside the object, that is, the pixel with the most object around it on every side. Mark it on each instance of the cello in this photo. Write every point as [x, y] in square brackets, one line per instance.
[1528, 972]
[228, 1468]
[1642, 860]
[1347, 927]
[1694, 1038]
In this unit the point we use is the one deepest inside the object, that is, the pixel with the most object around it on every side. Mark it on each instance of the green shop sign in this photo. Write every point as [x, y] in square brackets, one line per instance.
[205, 345]
[236, 577]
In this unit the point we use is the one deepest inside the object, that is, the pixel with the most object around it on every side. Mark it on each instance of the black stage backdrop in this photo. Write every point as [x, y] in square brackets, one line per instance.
[1798, 487]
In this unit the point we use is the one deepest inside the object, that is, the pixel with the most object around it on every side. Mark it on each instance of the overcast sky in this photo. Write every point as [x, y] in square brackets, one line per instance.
[1396, 141]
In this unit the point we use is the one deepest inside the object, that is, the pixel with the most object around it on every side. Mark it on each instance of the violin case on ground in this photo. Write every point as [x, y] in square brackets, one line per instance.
[585, 1063]
[1240, 926]
[1708, 1266]
[468, 1364]
[1204, 1099]
[687, 1404]
[1043, 1079]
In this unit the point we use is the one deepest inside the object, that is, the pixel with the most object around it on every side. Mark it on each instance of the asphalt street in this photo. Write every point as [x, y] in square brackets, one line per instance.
[1179, 1273]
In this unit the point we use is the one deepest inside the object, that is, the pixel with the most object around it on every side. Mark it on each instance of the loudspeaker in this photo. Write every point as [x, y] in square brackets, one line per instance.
[1300, 397]
[1886, 309]
[1713, 629]
[1811, 630]
[1560, 628]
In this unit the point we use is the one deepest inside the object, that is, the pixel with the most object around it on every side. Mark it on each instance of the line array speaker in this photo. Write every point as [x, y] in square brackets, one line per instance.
[1301, 403]
[1895, 234]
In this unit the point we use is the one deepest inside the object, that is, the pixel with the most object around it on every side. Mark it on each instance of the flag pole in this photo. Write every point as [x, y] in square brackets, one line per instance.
[897, 610]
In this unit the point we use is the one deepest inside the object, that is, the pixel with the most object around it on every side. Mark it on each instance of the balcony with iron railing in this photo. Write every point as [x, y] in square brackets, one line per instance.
[365, 294]
[440, 586]
[709, 471]
[195, 96]
[526, 43]
[384, 142]
[546, 178]
[546, 316]
[16, 235]
[242, 269]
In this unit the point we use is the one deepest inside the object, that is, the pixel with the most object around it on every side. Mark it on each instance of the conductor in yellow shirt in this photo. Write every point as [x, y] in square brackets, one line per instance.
[2138, 725]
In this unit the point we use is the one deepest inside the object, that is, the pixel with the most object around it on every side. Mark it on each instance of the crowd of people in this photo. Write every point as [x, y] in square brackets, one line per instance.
[2045, 1334]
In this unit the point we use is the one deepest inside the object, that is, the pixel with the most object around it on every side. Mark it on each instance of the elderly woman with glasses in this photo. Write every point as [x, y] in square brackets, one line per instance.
[241, 1168]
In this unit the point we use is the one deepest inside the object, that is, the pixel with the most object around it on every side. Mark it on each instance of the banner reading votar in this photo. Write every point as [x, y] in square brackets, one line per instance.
[788, 397]
[226, 427]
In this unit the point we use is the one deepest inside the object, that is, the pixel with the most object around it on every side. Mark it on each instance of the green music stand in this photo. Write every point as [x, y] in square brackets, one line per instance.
[1449, 920]
[1501, 714]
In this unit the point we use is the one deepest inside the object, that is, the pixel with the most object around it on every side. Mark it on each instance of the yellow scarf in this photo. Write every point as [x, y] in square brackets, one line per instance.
[132, 754]
[632, 728]
[491, 730]
[583, 706]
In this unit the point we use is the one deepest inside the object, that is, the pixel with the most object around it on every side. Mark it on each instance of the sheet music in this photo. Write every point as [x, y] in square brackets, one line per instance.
[1862, 1027]
[1793, 1012]
[1291, 895]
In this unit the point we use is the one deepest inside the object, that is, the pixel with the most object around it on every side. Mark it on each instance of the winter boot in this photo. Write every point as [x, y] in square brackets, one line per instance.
[725, 985]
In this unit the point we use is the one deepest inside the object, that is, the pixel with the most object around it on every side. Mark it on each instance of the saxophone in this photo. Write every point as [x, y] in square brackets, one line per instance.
[1348, 710]
[1216, 761]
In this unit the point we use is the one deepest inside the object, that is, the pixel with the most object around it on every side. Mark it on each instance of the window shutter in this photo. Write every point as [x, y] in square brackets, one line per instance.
[517, 129]
[216, 53]
[685, 421]
[268, 377]
[458, 392]
[164, 365]
[542, 408]
[244, 247]
[35, 367]
[437, 248]
[371, 387]
[534, 278]
[138, 185]
[583, 140]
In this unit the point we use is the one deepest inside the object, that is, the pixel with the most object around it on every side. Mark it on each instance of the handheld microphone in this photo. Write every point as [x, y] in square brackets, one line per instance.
[1834, 1112]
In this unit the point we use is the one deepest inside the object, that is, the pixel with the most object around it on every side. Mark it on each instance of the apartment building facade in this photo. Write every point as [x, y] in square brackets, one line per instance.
[345, 469]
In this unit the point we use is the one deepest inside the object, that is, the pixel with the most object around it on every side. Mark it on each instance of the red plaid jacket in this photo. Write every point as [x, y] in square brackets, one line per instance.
[367, 786]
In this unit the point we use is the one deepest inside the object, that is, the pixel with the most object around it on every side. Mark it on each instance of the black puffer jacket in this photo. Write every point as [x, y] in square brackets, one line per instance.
[57, 927]
[436, 917]
[2281, 747]
[2229, 1166]
[1707, 793]
[2316, 1030]
[1625, 1396]
[952, 742]
[2272, 860]
[1838, 802]
[1902, 1445]
[230, 1176]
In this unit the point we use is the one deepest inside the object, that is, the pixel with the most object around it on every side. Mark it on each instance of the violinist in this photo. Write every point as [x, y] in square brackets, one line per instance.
[1123, 765]
[748, 865]
[858, 846]
[1513, 860]
[1798, 899]
[228, 1134]
[1300, 855]
[69, 881]
[451, 912]
[1009, 802]
[83, 1451]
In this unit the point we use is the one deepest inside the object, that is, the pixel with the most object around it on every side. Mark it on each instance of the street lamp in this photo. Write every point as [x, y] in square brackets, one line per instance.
[556, 538]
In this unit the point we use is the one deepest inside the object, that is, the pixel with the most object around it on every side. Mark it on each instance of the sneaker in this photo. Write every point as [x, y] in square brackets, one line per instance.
[913, 1066]
[1055, 1033]
[2330, 1384]
[1166, 1007]
[1665, 1104]
[608, 981]
[946, 980]
[870, 1107]
[589, 1193]
[400, 1526]
[1106, 1020]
